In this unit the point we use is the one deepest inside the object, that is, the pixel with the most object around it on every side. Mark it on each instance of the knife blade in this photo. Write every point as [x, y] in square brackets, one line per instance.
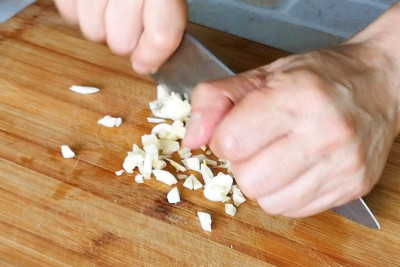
[358, 211]
[193, 63]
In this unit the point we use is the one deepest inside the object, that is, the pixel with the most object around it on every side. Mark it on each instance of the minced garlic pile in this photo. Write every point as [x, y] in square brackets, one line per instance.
[171, 114]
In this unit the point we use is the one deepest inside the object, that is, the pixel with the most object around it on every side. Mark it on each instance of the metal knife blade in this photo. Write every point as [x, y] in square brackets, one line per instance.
[358, 211]
[191, 64]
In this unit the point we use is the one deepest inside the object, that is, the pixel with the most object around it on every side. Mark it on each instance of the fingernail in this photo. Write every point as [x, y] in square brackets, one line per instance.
[140, 68]
[194, 129]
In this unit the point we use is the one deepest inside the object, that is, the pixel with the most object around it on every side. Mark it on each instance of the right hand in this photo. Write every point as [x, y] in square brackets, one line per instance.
[148, 31]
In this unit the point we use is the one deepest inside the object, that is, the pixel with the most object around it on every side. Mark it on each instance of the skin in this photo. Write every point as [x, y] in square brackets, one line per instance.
[148, 31]
[304, 134]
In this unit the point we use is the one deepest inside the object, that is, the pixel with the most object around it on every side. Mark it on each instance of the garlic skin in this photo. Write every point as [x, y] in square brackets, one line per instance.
[67, 152]
[205, 220]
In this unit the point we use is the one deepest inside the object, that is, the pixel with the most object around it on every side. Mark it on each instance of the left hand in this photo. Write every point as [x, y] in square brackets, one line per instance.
[306, 133]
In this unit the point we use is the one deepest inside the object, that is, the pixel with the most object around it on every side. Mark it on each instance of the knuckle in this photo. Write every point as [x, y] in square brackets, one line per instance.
[346, 132]
[165, 40]
[343, 133]
[230, 147]
[357, 162]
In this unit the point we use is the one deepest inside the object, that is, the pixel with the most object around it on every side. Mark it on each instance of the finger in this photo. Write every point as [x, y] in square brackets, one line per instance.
[257, 121]
[68, 10]
[274, 167]
[124, 25]
[302, 191]
[211, 101]
[329, 174]
[319, 205]
[352, 187]
[164, 24]
[91, 19]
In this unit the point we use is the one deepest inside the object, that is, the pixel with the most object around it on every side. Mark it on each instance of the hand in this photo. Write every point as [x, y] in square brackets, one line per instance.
[148, 31]
[306, 133]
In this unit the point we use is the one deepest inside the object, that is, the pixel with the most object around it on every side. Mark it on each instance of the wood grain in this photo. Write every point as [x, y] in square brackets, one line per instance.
[58, 212]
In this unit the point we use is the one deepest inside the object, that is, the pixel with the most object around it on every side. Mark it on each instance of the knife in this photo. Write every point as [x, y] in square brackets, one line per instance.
[193, 63]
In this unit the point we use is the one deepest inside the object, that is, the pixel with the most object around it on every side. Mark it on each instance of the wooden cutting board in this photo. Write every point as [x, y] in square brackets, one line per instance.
[56, 212]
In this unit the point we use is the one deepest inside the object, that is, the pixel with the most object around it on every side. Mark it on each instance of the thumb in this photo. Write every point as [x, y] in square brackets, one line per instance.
[211, 101]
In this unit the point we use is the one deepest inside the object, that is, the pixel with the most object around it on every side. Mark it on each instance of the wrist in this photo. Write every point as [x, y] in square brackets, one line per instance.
[373, 69]
[378, 49]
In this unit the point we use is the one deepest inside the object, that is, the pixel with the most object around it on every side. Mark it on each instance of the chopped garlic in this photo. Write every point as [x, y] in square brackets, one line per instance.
[203, 148]
[171, 107]
[201, 157]
[165, 177]
[165, 131]
[218, 188]
[139, 178]
[230, 209]
[164, 156]
[119, 173]
[183, 150]
[210, 162]
[159, 165]
[150, 159]
[168, 146]
[173, 196]
[205, 220]
[155, 120]
[186, 155]
[67, 152]
[118, 122]
[192, 163]
[150, 139]
[177, 166]
[138, 150]
[237, 196]
[208, 152]
[181, 176]
[110, 122]
[132, 161]
[192, 183]
[206, 173]
[84, 90]
[162, 91]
